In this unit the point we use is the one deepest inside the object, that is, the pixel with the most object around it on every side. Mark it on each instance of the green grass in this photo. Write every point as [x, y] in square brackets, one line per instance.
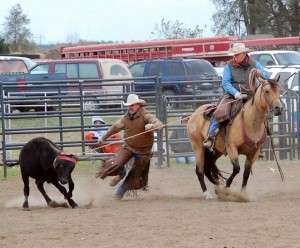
[84, 167]
[11, 172]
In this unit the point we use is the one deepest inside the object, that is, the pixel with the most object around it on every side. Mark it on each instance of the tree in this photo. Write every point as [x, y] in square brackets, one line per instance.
[247, 17]
[4, 48]
[176, 30]
[16, 32]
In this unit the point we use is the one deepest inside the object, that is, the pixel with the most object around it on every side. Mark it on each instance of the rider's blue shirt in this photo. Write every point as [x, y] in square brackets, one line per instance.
[227, 78]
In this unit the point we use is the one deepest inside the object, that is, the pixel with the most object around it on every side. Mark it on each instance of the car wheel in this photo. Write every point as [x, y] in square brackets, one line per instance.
[23, 109]
[42, 109]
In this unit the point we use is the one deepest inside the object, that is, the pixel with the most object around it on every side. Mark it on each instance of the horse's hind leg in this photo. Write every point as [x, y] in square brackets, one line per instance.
[26, 191]
[200, 170]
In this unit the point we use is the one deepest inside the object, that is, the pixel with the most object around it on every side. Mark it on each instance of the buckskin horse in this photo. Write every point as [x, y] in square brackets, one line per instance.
[245, 135]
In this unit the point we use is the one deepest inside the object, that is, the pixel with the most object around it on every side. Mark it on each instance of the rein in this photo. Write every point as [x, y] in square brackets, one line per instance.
[267, 131]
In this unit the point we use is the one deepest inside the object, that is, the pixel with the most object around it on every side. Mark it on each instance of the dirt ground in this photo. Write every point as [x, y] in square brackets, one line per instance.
[173, 213]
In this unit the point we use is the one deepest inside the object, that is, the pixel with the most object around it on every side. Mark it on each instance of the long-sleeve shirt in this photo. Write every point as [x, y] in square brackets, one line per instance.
[133, 125]
[227, 78]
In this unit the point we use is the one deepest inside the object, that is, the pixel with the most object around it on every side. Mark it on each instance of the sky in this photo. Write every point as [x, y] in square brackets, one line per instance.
[117, 20]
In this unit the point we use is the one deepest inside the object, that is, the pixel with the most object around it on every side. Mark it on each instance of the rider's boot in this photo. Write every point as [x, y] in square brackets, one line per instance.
[120, 192]
[212, 132]
[116, 179]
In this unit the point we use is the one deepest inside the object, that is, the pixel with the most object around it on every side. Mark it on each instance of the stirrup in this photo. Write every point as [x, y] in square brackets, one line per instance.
[208, 143]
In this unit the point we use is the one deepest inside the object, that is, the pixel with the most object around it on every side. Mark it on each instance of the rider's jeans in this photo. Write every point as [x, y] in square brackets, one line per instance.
[213, 127]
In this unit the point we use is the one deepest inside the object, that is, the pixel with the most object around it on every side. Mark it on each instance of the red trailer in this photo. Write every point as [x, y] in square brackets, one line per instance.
[214, 49]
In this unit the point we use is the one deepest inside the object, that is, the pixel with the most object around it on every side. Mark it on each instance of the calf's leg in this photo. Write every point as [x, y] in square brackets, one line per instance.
[62, 189]
[26, 191]
[40, 186]
[71, 187]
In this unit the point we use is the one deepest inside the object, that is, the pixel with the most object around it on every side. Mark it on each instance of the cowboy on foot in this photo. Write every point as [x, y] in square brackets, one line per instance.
[136, 121]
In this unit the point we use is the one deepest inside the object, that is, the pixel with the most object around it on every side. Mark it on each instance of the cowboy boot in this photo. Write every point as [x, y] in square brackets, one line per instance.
[116, 179]
[212, 132]
[120, 192]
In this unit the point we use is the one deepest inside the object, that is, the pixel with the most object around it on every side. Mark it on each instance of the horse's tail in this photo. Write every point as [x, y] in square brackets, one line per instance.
[211, 170]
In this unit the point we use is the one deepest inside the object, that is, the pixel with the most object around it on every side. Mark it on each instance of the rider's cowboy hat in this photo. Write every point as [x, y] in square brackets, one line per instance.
[238, 48]
[133, 99]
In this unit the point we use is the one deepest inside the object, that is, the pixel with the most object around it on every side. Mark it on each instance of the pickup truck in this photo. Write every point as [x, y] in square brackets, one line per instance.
[176, 76]
[68, 69]
[14, 65]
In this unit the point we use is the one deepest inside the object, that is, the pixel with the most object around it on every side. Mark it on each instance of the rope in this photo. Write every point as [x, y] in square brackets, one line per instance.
[151, 130]
[273, 151]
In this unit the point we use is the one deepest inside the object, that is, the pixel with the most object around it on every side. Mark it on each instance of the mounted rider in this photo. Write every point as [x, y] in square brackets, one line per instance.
[235, 84]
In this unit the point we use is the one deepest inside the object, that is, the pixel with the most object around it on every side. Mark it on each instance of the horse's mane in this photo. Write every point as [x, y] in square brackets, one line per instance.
[253, 85]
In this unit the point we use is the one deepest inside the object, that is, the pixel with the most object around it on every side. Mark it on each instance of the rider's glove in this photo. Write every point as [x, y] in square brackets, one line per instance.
[240, 96]
[101, 141]
[149, 126]
[258, 73]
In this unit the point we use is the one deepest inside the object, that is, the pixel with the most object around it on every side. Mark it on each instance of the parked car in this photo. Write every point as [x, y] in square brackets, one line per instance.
[277, 58]
[74, 69]
[288, 77]
[176, 75]
[14, 65]
[219, 70]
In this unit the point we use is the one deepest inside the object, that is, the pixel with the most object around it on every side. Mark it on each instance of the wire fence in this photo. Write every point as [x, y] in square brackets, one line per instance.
[62, 111]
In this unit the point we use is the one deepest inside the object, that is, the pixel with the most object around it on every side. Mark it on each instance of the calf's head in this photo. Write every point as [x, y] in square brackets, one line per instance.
[64, 164]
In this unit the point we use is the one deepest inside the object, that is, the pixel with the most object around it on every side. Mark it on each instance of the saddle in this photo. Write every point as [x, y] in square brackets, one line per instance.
[209, 109]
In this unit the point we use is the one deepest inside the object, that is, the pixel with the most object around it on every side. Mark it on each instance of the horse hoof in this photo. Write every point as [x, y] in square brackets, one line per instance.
[26, 209]
[207, 195]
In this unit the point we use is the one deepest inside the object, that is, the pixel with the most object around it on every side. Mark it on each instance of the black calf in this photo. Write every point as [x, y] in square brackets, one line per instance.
[42, 160]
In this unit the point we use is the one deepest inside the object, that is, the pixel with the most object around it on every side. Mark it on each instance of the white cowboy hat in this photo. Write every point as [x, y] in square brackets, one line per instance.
[133, 99]
[97, 118]
[238, 48]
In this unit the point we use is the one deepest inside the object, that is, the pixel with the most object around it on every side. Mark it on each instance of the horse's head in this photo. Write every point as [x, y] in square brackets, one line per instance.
[268, 95]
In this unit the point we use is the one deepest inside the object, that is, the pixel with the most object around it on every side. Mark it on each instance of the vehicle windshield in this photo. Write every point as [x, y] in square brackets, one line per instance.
[288, 58]
[29, 63]
[202, 68]
[115, 70]
[12, 66]
[295, 81]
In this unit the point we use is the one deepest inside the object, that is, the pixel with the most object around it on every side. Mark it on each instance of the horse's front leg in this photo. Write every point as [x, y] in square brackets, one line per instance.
[247, 170]
[234, 157]
[248, 165]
